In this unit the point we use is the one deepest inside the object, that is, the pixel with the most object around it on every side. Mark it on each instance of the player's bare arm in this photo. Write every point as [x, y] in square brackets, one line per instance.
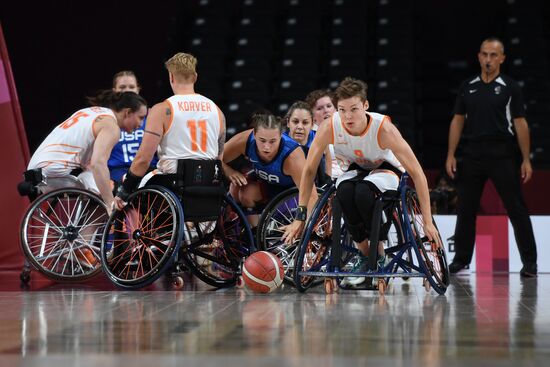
[221, 137]
[107, 134]
[322, 139]
[293, 167]
[233, 149]
[390, 138]
[159, 117]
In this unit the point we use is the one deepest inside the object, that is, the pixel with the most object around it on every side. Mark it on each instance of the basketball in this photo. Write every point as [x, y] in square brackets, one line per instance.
[263, 272]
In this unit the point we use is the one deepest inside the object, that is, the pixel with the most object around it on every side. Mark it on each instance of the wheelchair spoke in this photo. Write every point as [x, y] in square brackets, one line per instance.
[80, 211]
[94, 221]
[47, 221]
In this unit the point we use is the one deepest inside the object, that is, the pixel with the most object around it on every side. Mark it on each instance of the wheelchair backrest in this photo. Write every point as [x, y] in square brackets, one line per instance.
[200, 188]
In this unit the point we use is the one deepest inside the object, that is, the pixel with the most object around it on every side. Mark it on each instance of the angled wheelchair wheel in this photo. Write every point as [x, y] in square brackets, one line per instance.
[396, 242]
[432, 260]
[314, 248]
[141, 241]
[280, 212]
[214, 250]
[61, 234]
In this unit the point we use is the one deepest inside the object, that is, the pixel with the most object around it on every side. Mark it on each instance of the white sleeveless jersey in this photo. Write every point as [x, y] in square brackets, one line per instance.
[193, 132]
[70, 144]
[363, 150]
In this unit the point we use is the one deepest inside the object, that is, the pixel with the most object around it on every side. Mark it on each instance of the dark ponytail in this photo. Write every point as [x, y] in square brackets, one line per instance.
[117, 101]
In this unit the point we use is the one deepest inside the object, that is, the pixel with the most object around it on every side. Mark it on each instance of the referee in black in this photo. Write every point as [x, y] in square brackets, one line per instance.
[490, 116]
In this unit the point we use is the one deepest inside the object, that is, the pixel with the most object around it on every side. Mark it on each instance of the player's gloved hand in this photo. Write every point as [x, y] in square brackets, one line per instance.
[129, 185]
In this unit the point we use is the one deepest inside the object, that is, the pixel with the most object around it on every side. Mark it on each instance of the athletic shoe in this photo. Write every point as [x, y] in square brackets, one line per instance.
[528, 271]
[456, 266]
[361, 267]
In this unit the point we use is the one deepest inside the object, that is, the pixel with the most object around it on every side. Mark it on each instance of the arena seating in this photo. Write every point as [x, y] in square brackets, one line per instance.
[268, 53]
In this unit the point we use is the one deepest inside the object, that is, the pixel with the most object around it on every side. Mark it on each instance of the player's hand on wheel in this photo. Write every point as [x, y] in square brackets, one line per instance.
[432, 233]
[292, 231]
[118, 203]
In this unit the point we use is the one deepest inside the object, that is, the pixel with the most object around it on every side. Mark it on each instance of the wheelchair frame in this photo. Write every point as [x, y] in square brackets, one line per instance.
[212, 249]
[280, 211]
[331, 255]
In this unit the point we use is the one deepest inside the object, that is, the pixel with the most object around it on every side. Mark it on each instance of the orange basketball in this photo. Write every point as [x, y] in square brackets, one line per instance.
[263, 272]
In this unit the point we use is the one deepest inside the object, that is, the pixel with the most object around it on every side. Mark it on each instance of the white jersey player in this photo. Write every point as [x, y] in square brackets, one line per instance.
[185, 126]
[84, 142]
[372, 151]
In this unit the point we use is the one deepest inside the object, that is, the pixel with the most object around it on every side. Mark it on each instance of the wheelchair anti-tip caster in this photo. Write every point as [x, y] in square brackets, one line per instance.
[427, 285]
[240, 282]
[331, 286]
[177, 282]
[25, 276]
[381, 286]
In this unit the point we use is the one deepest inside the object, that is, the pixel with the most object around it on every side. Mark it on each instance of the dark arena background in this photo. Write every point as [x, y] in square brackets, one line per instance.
[266, 54]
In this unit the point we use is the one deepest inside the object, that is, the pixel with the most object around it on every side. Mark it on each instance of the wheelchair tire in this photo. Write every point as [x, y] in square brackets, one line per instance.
[141, 241]
[433, 262]
[214, 250]
[281, 211]
[61, 234]
[314, 247]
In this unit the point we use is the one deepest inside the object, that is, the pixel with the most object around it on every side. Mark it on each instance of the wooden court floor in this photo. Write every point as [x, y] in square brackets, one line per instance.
[482, 320]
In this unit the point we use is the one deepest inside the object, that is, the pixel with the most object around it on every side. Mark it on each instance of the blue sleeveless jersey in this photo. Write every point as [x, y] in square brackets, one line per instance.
[310, 138]
[124, 152]
[271, 172]
[308, 145]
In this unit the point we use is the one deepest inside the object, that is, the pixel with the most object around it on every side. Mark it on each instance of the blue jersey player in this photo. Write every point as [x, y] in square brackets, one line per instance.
[125, 150]
[299, 120]
[276, 159]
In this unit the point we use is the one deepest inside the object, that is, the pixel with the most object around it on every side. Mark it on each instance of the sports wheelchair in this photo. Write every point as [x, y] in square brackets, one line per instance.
[60, 233]
[183, 224]
[325, 249]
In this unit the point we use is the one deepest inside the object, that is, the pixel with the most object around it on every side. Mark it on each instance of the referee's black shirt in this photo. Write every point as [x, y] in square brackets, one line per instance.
[489, 108]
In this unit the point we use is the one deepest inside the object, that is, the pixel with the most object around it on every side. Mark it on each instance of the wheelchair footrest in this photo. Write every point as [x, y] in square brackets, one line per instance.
[342, 274]
[367, 285]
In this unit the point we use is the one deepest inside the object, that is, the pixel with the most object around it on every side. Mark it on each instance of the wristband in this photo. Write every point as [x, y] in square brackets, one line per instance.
[131, 182]
[301, 213]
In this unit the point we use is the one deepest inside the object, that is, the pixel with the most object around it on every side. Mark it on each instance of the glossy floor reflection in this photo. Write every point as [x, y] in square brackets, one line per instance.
[483, 320]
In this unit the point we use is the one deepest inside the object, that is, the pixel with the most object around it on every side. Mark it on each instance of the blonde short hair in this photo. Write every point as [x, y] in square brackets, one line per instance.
[182, 64]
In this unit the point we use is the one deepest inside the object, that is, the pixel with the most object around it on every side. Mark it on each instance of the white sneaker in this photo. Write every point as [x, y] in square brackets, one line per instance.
[359, 267]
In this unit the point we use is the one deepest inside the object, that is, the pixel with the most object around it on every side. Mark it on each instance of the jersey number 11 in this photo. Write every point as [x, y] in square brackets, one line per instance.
[192, 125]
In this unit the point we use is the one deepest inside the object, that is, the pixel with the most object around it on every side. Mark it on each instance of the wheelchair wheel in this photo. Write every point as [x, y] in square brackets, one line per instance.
[395, 243]
[314, 247]
[141, 241]
[281, 211]
[61, 234]
[432, 260]
[213, 250]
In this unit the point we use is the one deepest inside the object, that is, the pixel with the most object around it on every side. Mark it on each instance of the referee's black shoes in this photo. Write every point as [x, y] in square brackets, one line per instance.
[456, 266]
[528, 271]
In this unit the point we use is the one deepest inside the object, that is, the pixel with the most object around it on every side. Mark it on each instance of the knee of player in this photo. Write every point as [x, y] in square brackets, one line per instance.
[364, 196]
